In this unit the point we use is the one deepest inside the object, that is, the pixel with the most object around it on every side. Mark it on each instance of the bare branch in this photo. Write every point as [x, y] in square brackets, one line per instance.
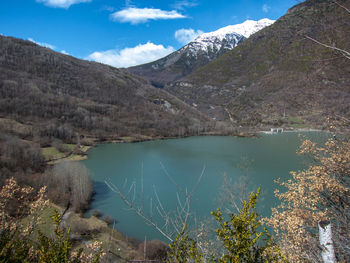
[198, 181]
[137, 211]
[345, 53]
[150, 209]
[343, 118]
[344, 7]
[172, 180]
[158, 200]
[142, 193]
[174, 222]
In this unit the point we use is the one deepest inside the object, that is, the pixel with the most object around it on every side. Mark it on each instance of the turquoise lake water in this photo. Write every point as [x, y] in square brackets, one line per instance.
[270, 157]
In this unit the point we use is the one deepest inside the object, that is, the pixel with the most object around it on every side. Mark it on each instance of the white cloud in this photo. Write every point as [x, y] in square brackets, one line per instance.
[62, 3]
[108, 8]
[265, 8]
[127, 57]
[128, 2]
[184, 36]
[48, 46]
[142, 15]
[64, 52]
[42, 44]
[181, 5]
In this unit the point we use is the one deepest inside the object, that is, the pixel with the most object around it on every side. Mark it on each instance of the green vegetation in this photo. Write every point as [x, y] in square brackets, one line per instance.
[45, 214]
[240, 236]
[69, 146]
[299, 126]
[51, 153]
[59, 248]
[296, 122]
[34, 230]
[184, 249]
[64, 152]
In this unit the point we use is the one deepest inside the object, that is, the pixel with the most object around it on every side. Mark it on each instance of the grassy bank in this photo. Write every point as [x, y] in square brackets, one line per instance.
[85, 231]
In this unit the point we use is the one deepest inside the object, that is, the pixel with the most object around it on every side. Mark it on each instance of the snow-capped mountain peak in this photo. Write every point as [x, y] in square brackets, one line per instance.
[245, 29]
[231, 35]
[199, 52]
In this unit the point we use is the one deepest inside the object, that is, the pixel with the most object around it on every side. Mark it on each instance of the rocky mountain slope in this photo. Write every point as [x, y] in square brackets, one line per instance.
[199, 52]
[279, 76]
[58, 96]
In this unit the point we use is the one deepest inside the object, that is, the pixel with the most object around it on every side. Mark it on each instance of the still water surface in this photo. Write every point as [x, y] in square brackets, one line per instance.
[271, 157]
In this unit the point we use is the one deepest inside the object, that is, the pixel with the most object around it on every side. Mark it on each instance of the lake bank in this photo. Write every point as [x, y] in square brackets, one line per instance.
[94, 141]
[81, 153]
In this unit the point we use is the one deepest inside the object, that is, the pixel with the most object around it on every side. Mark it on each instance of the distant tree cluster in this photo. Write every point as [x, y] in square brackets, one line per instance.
[19, 158]
[69, 183]
[65, 96]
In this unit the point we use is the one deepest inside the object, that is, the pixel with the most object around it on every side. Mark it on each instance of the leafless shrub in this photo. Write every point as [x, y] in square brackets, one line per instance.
[79, 227]
[19, 157]
[69, 182]
[173, 222]
[154, 250]
[108, 219]
[96, 213]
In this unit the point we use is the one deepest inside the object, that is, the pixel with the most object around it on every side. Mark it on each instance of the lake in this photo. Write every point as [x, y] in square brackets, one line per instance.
[269, 157]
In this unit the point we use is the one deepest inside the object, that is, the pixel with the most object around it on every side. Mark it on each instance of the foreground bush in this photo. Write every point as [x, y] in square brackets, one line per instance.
[240, 235]
[320, 192]
[22, 242]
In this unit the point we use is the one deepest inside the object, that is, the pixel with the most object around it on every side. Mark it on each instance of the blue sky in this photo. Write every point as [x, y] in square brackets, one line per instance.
[126, 32]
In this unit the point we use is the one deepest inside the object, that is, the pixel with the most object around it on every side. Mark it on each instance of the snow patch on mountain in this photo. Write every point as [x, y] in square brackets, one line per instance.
[245, 29]
[227, 37]
[199, 52]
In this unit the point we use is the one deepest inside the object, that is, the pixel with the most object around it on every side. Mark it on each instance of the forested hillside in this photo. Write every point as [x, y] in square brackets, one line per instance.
[54, 108]
[279, 76]
[58, 95]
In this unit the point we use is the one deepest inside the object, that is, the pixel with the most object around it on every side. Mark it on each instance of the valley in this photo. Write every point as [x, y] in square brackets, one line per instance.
[79, 129]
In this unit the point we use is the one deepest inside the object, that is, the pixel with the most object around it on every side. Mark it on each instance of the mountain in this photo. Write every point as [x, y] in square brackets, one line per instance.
[57, 96]
[279, 76]
[199, 52]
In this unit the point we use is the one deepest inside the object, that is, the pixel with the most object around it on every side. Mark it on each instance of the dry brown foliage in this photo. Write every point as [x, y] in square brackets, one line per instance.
[17, 202]
[154, 250]
[20, 240]
[321, 192]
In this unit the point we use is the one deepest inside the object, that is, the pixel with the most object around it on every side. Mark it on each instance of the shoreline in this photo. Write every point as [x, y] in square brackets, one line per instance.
[295, 130]
[82, 153]
[135, 139]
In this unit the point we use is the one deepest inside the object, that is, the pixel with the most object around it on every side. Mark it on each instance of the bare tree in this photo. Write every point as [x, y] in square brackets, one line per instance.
[172, 222]
[234, 192]
[230, 196]
[342, 51]
[76, 180]
[319, 193]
